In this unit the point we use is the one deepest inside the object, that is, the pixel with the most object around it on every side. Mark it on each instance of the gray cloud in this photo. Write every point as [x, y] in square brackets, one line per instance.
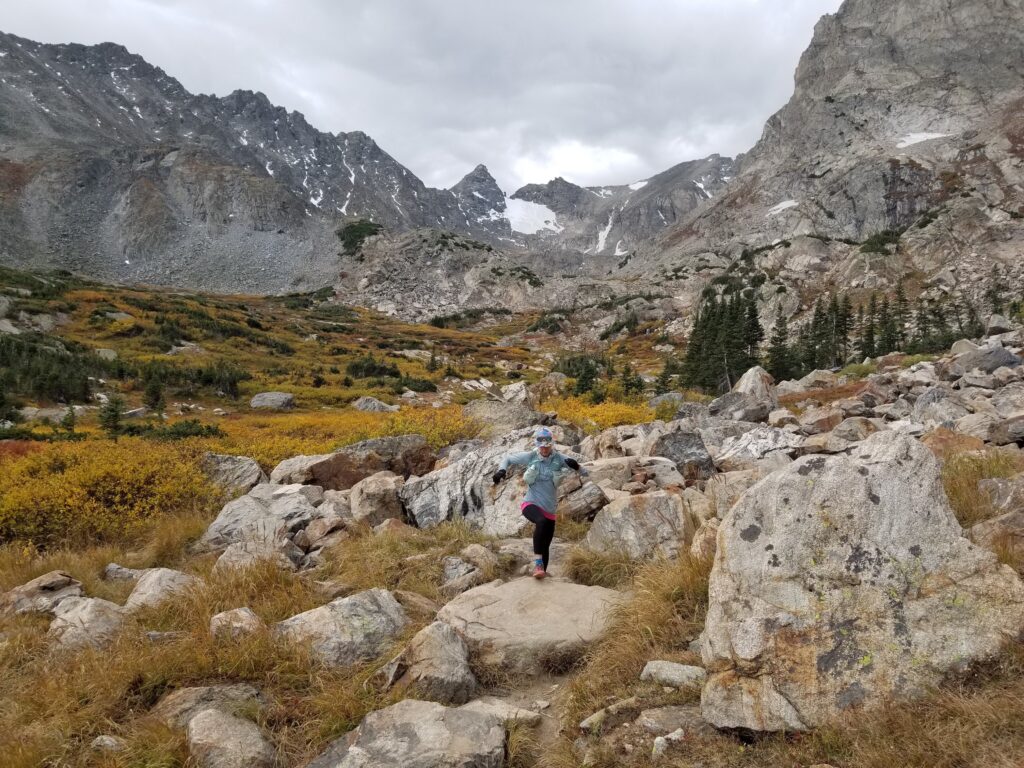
[597, 91]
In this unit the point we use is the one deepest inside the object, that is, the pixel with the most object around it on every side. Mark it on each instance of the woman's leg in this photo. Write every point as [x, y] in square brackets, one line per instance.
[543, 533]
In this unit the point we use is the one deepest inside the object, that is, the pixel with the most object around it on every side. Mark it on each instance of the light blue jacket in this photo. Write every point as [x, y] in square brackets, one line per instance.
[542, 476]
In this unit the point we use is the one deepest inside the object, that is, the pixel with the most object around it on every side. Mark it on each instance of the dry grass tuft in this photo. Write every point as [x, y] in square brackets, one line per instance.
[407, 560]
[666, 610]
[961, 474]
[601, 570]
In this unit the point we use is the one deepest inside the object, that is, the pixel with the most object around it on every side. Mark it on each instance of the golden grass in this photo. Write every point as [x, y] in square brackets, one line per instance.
[53, 707]
[585, 566]
[961, 474]
[383, 560]
[666, 610]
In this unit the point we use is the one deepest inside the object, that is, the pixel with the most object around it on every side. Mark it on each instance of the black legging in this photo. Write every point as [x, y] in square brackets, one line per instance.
[543, 531]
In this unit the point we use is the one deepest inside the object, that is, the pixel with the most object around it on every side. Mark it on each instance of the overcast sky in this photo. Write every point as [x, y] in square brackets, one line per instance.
[596, 91]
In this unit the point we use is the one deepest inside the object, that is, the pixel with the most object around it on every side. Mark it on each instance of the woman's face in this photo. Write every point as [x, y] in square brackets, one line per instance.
[545, 449]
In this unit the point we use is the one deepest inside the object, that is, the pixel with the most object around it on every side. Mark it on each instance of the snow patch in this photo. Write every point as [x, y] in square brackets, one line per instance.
[269, 169]
[602, 236]
[619, 250]
[317, 198]
[916, 138]
[783, 206]
[701, 188]
[530, 218]
[638, 185]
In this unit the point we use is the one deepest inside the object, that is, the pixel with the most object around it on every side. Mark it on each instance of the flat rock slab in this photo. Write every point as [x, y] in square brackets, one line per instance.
[419, 734]
[529, 626]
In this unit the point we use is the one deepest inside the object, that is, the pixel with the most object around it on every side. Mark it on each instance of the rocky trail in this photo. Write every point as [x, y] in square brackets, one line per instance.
[842, 576]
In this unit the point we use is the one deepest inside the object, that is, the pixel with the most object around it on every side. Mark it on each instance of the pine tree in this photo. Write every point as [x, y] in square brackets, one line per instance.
[753, 333]
[153, 395]
[68, 422]
[110, 415]
[901, 315]
[889, 334]
[867, 337]
[664, 382]
[780, 361]
[432, 364]
[844, 328]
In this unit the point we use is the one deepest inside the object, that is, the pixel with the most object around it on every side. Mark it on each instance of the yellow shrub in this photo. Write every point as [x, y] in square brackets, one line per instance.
[593, 418]
[99, 491]
[271, 438]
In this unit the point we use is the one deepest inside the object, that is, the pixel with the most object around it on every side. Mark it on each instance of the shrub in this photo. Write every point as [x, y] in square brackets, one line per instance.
[593, 418]
[353, 235]
[961, 474]
[368, 366]
[879, 242]
[98, 491]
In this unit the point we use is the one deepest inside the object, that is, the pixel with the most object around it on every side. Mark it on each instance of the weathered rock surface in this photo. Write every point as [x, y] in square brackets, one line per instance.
[245, 554]
[403, 454]
[373, 405]
[349, 629]
[563, 618]
[236, 623]
[85, 621]
[842, 581]
[673, 674]
[686, 450]
[438, 665]
[642, 526]
[274, 401]
[266, 513]
[376, 498]
[419, 734]
[178, 707]
[237, 474]
[758, 384]
[217, 739]
[499, 418]
[41, 595]
[157, 585]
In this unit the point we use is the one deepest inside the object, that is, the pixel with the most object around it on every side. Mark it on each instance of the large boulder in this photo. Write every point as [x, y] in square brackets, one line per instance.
[373, 405]
[528, 626]
[1008, 431]
[375, 498]
[419, 734]
[156, 585]
[818, 380]
[755, 445]
[985, 359]
[273, 401]
[41, 595]
[642, 526]
[497, 417]
[217, 739]
[739, 406]
[349, 629]
[1008, 401]
[938, 406]
[759, 384]
[404, 455]
[235, 474]
[844, 581]
[687, 450]
[245, 554]
[266, 513]
[616, 442]
[85, 621]
[438, 665]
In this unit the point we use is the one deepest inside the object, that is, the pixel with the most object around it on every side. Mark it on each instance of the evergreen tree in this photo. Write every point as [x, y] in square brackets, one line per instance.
[867, 339]
[901, 315]
[153, 395]
[68, 422]
[780, 361]
[753, 333]
[111, 414]
[664, 382]
[432, 364]
[844, 328]
[889, 334]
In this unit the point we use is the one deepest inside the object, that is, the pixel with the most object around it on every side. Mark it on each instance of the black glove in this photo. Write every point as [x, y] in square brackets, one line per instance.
[573, 465]
[498, 476]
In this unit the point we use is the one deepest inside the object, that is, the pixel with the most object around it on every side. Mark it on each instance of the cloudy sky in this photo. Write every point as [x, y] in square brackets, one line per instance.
[596, 91]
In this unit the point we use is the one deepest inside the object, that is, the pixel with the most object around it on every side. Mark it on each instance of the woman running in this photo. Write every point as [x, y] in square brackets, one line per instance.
[545, 468]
